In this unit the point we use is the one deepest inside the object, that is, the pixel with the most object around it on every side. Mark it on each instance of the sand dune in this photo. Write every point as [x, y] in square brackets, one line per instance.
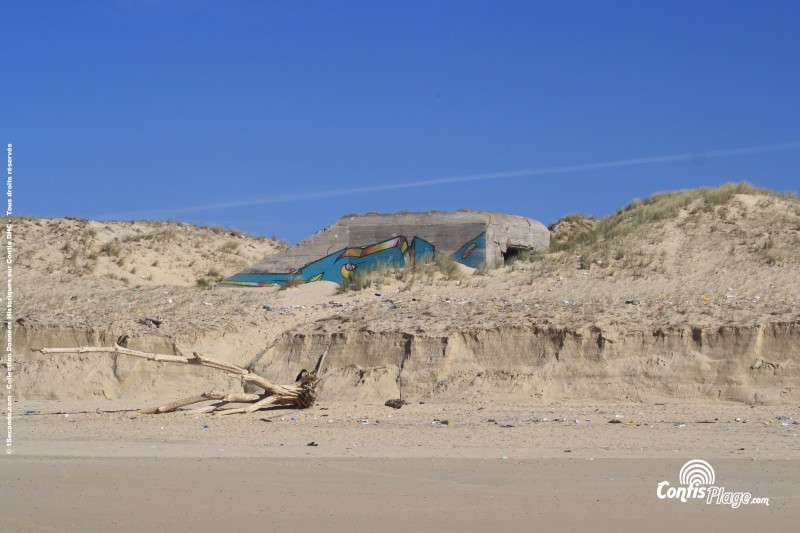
[691, 295]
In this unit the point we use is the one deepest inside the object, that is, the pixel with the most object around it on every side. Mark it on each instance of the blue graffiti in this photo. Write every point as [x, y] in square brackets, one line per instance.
[473, 253]
[341, 265]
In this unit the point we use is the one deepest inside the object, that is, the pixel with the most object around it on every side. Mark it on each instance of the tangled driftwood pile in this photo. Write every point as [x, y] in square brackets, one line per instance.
[302, 394]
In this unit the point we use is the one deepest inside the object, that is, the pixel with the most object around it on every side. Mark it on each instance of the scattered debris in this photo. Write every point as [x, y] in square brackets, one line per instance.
[396, 403]
[147, 321]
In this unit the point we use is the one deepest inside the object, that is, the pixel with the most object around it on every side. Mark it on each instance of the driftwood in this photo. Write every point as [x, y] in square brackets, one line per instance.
[301, 394]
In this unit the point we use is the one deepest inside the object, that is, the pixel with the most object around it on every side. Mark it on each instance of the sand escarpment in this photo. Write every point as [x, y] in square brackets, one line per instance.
[757, 364]
[752, 364]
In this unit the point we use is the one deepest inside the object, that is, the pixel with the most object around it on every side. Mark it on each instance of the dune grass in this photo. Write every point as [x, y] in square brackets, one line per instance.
[617, 240]
[658, 207]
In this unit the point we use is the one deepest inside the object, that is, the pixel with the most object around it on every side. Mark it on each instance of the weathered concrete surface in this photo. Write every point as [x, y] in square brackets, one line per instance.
[447, 231]
[510, 231]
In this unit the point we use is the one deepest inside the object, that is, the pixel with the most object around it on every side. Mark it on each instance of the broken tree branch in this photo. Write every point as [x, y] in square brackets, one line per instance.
[301, 394]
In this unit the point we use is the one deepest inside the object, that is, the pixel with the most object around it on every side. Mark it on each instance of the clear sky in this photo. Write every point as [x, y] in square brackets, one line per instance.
[277, 117]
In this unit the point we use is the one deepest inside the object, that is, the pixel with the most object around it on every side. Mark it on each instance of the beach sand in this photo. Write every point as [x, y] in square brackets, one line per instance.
[421, 468]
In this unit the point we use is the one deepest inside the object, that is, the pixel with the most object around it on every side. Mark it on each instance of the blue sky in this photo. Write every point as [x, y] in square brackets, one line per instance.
[277, 117]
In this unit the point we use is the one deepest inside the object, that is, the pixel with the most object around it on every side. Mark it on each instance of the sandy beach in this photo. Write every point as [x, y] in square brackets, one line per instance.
[420, 468]
[129, 494]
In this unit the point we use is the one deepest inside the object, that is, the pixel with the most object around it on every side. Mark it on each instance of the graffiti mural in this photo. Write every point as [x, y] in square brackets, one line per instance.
[341, 265]
[472, 253]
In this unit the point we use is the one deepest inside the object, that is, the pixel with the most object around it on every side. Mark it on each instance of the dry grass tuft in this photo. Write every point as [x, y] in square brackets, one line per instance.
[425, 270]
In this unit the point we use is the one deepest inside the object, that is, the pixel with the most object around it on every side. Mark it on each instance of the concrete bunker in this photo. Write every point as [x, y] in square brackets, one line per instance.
[357, 242]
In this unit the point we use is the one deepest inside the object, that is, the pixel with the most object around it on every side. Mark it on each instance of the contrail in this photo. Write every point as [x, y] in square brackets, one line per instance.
[285, 198]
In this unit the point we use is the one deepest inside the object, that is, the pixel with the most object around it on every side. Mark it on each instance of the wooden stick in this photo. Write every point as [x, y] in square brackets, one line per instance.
[118, 349]
[318, 370]
[205, 410]
[197, 359]
[242, 397]
[267, 385]
[230, 398]
[213, 395]
[219, 365]
[269, 400]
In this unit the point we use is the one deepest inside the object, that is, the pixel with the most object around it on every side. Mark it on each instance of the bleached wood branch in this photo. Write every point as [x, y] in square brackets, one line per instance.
[301, 394]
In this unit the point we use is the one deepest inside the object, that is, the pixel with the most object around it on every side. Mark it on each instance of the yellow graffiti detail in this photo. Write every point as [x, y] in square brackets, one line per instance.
[347, 269]
[352, 252]
[381, 246]
[469, 250]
